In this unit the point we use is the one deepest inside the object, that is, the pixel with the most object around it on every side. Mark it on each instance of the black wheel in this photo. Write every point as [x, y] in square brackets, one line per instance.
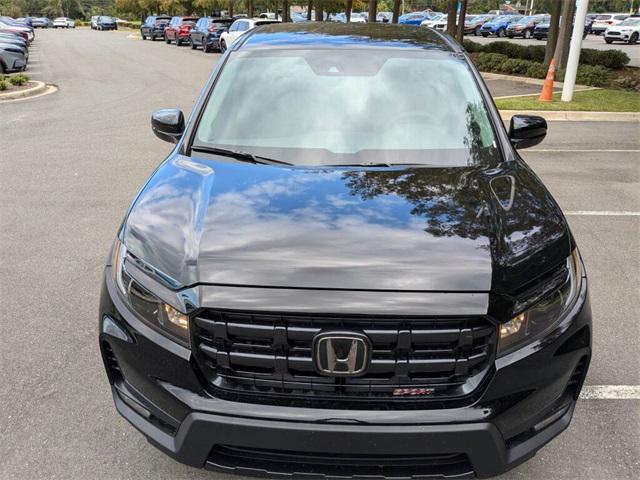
[205, 47]
[193, 45]
[2, 70]
[608, 40]
[510, 36]
[144, 37]
[166, 39]
[634, 38]
[597, 33]
[223, 46]
[178, 41]
[485, 35]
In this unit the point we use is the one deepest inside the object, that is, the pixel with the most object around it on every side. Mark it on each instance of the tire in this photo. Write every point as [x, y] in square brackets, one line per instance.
[193, 45]
[2, 69]
[178, 41]
[152, 38]
[205, 47]
[166, 39]
[510, 36]
[485, 35]
[500, 33]
[597, 33]
[634, 38]
[144, 37]
[223, 46]
[476, 32]
[608, 40]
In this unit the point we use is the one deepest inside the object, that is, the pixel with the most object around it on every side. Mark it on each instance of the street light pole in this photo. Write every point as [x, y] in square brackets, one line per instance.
[574, 52]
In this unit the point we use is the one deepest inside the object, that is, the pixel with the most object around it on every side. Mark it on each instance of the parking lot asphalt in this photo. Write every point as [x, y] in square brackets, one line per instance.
[71, 162]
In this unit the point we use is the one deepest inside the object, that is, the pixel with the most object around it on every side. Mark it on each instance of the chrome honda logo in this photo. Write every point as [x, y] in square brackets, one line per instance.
[341, 354]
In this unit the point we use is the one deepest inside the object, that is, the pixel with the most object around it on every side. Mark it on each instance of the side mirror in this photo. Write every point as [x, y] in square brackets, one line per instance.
[168, 124]
[527, 130]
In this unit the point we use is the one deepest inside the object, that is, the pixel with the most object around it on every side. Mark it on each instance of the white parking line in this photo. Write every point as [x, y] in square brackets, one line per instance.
[610, 392]
[588, 150]
[605, 213]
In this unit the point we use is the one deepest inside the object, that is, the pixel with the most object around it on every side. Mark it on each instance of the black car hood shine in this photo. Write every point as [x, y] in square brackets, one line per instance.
[409, 229]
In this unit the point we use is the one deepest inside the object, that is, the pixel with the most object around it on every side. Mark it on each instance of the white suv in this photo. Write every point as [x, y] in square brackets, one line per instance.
[627, 31]
[606, 20]
[238, 27]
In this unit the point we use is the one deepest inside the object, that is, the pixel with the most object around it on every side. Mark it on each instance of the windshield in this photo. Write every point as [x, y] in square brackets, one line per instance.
[330, 107]
[524, 20]
[603, 17]
[631, 22]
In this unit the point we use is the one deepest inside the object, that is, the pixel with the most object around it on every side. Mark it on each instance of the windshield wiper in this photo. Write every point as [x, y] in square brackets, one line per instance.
[239, 155]
[375, 164]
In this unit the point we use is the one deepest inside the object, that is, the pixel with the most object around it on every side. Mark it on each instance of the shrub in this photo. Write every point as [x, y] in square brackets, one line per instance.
[490, 62]
[18, 79]
[516, 65]
[593, 75]
[3, 84]
[536, 70]
[613, 59]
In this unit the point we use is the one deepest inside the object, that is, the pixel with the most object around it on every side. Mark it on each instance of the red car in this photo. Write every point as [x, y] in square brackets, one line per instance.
[178, 29]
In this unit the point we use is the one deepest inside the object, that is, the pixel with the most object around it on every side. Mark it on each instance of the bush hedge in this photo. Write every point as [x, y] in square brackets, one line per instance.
[3, 84]
[595, 76]
[613, 59]
[18, 79]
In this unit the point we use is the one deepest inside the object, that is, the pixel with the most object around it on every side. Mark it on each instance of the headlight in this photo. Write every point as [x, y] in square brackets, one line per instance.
[543, 316]
[148, 307]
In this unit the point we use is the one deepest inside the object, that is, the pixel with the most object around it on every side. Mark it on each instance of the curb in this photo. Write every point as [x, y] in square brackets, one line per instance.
[575, 116]
[39, 87]
[530, 81]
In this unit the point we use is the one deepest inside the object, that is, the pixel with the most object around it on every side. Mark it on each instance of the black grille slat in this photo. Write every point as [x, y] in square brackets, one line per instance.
[270, 356]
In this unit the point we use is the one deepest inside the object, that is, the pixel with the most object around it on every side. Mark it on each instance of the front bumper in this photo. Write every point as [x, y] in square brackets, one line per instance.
[528, 400]
[622, 36]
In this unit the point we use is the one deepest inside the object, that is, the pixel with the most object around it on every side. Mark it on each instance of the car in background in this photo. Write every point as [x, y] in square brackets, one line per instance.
[473, 23]
[153, 27]
[41, 22]
[63, 22]
[238, 27]
[13, 39]
[106, 22]
[526, 25]
[25, 21]
[433, 20]
[542, 29]
[355, 18]
[606, 20]
[498, 26]
[12, 58]
[94, 22]
[12, 27]
[416, 18]
[177, 30]
[627, 31]
[206, 33]
[384, 17]
[299, 17]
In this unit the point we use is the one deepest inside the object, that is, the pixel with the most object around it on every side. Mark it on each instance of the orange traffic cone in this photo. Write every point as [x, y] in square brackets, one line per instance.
[547, 90]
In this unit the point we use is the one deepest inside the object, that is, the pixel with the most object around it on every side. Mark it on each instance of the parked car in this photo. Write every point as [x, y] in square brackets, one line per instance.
[299, 17]
[606, 20]
[355, 18]
[542, 29]
[627, 31]
[25, 21]
[106, 22]
[402, 285]
[94, 22]
[41, 22]
[11, 27]
[63, 22]
[177, 30]
[472, 24]
[153, 27]
[430, 22]
[416, 18]
[498, 25]
[238, 27]
[384, 17]
[14, 39]
[526, 25]
[12, 58]
[206, 33]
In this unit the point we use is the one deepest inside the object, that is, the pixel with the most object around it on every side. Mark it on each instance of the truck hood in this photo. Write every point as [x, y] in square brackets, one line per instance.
[410, 229]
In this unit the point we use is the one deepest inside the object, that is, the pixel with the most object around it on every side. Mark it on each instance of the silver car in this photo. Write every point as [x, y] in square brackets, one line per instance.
[12, 58]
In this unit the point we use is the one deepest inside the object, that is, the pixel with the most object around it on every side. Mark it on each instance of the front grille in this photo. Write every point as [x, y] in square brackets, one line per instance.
[267, 358]
[277, 463]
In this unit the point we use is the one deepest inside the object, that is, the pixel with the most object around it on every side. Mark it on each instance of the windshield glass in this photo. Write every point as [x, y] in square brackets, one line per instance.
[329, 107]
[524, 20]
[631, 22]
